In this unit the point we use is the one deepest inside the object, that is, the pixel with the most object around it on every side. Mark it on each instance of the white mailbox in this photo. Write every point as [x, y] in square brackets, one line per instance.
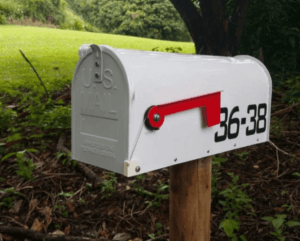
[139, 111]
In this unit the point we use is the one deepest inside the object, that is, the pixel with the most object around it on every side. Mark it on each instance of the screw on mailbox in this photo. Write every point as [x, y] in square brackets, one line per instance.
[97, 75]
[156, 117]
[97, 64]
[137, 169]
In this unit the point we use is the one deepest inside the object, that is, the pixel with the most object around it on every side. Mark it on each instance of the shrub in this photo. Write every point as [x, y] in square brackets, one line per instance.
[44, 10]
[78, 25]
[2, 19]
[154, 19]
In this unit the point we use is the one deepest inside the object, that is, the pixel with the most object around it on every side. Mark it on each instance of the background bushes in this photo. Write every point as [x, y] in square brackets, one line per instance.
[45, 10]
[274, 26]
[156, 19]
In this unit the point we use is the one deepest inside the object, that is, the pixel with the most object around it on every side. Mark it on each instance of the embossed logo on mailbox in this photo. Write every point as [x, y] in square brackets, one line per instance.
[96, 97]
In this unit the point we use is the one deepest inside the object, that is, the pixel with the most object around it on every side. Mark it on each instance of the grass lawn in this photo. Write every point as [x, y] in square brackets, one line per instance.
[47, 48]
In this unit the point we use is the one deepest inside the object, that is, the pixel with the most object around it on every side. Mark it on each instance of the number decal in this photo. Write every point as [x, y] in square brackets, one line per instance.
[222, 124]
[251, 132]
[233, 121]
[261, 118]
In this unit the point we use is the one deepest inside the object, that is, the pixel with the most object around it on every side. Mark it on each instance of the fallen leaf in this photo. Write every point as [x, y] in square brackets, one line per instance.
[39, 164]
[45, 203]
[16, 207]
[75, 215]
[33, 203]
[150, 174]
[111, 210]
[279, 209]
[122, 236]
[58, 232]
[70, 206]
[37, 226]
[67, 230]
[87, 212]
[47, 212]
[256, 166]
[7, 237]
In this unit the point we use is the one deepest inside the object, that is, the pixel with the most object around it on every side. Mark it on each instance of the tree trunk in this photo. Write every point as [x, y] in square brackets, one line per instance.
[212, 32]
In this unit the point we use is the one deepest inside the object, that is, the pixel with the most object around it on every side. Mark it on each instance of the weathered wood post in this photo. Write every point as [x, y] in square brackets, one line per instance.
[190, 199]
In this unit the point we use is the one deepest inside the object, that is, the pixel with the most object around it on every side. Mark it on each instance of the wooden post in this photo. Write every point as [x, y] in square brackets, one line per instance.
[190, 199]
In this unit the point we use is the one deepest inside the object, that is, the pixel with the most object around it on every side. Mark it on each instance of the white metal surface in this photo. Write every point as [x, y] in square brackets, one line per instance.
[108, 111]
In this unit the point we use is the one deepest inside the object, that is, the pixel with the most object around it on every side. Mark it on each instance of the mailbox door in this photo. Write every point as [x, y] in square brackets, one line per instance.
[100, 107]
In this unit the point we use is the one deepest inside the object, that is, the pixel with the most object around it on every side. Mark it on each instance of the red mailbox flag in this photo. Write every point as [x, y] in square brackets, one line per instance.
[155, 115]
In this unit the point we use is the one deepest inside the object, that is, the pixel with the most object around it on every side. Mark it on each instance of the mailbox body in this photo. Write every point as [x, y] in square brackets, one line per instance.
[113, 88]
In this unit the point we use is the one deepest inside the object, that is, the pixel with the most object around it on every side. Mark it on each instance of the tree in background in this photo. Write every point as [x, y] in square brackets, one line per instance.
[214, 28]
[270, 29]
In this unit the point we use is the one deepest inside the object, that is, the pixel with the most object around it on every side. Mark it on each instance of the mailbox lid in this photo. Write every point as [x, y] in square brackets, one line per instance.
[161, 78]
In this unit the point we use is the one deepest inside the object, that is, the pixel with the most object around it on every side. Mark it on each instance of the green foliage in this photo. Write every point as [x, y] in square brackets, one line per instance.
[159, 229]
[45, 10]
[277, 126]
[291, 86]
[25, 170]
[2, 19]
[10, 9]
[229, 225]
[80, 7]
[108, 186]
[78, 25]
[235, 201]
[279, 223]
[67, 158]
[26, 166]
[63, 210]
[66, 194]
[216, 165]
[9, 201]
[154, 19]
[158, 197]
[272, 24]
[288, 207]
[49, 115]
[169, 49]
[7, 116]
[14, 137]
[241, 155]
[140, 177]
[297, 174]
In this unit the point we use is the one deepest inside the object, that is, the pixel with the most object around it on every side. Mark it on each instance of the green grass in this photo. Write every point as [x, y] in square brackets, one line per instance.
[48, 48]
